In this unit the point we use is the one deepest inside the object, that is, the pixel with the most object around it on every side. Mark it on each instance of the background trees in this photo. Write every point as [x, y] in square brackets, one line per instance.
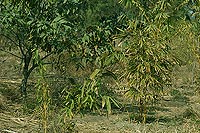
[99, 47]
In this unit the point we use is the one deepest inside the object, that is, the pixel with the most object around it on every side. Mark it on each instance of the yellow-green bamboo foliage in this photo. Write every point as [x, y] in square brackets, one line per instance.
[148, 48]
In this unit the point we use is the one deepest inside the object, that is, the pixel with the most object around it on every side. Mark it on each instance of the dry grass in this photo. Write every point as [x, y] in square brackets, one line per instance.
[23, 124]
[178, 113]
[99, 124]
[94, 124]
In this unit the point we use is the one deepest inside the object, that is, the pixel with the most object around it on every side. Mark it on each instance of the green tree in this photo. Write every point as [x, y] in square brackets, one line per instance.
[94, 54]
[38, 29]
[146, 45]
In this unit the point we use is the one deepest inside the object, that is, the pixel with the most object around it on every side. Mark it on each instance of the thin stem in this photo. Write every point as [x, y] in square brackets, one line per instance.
[11, 53]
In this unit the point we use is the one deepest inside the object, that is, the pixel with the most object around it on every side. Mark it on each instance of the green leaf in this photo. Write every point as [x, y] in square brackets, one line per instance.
[103, 101]
[57, 19]
[62, 21]
[109, 73]
[83, 89]
[115, 102]
[109, 60]
[85, 38]
[108, 104]
[94, 74]
[91, 102]
[85, 99]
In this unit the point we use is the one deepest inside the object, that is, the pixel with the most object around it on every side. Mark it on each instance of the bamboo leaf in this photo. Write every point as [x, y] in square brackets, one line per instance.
[115, 102]
[108, 105]
[91, 101]
[93, 75]
[109, 73]
[103, 101]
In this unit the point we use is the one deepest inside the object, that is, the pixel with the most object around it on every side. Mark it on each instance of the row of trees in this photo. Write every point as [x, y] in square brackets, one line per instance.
[128, 40]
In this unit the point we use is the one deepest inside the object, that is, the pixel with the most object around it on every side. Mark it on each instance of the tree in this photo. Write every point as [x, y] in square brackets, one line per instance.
[147, 49]
[38, 28]
[94, 54]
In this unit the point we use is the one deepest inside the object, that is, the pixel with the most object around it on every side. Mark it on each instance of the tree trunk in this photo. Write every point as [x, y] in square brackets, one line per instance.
[26, 72]
[24, 82]
[143, 110]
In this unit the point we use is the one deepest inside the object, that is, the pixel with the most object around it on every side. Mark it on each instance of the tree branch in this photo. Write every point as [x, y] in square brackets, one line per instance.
[47, 55]
[10, 39]
[11, 53]
[17, 44]
[20, 46]
[36, 65]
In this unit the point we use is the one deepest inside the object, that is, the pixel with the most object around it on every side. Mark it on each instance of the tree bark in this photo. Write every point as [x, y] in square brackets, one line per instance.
[143, 110]
[24, 83]
[26, 72]
[27, 69]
